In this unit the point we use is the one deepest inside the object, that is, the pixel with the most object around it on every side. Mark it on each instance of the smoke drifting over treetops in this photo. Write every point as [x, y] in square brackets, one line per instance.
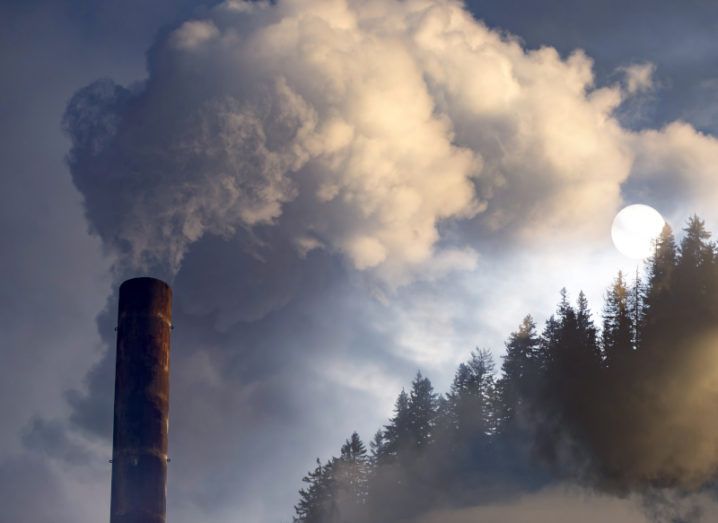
[627, 410]
[277, 151]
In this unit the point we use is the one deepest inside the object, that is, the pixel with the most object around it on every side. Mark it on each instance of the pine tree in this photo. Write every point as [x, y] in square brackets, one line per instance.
[401, 448]
[397, 434]
[696, 251]
[449, 413]
[377, 446]
[587, 334]
[663, 261]
[695, 283]
[681, 284]
[520, 373]
[618, 324]
[660, 270]
[636, 305]
[658, 304]
[350, 473]
[572, 376]
[694, 270]
[445, 422]
[471, 400]
[547, 342]
[570, 341]
[423, 404]
[317, 503]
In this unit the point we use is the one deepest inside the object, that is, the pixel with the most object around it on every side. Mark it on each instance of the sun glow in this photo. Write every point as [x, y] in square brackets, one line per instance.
[635, 229]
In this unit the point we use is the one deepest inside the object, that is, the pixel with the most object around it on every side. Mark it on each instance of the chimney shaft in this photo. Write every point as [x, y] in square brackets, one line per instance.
[139, 447]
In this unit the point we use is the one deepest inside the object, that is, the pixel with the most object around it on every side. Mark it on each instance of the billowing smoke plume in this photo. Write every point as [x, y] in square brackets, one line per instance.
[361, 127]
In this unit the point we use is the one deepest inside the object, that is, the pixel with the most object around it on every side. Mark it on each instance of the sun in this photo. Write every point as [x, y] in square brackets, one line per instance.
[635, 229]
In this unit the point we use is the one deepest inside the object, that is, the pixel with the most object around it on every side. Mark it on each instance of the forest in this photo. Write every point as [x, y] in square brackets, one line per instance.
[624, 406]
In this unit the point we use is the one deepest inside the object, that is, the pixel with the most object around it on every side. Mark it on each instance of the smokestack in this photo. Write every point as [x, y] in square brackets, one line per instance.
[139, 441]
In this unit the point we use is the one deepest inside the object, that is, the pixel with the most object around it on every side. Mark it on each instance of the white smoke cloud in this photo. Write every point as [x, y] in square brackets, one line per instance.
[639, 77]
[361, 126]
[676, 167]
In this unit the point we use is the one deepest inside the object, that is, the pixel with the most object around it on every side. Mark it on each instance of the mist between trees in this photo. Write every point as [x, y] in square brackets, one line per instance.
[625, 408]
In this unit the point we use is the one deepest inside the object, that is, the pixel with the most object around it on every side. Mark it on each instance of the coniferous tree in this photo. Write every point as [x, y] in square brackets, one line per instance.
[547, 343]
[570, 342]
[400, 472]
[377, 446]
[317, 503]
[662, 263]
[423, 404]
[389, 455]
[696, 252]
[657, 305]
[618, 323]
[582, 395]
[570, 381]
[445, 423]
[519, 382]
[397, 434]
[350, 474]
[678, 284]
[587, 335]
[469, 410]
[636, 305]
[694, 282]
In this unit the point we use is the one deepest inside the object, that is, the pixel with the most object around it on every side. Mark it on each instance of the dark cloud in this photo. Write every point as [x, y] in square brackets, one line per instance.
[54, 278]
[53, 274]
[32, 492]
[50, 438]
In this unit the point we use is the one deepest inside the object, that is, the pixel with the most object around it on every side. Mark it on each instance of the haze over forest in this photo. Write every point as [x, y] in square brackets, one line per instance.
[625, 408]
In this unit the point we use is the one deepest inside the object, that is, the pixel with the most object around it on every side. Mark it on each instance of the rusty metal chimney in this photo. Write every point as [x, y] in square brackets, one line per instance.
[139, 442]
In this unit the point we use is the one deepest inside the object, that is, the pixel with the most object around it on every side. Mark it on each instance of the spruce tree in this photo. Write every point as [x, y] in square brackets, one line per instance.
[661, 266]
[636, 306]
[397, 434]
[471, 400]
[618, 323]
[317, 501]
[377, 446]
[350, 473]
[423, 404]
[587, 334]
[694, 274]
[571, 380]
[520, 374]
[662, 263]
[696, 251]
[570, 341]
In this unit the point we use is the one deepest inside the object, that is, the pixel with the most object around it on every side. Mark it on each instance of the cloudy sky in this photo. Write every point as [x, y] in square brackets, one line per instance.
[341, 192]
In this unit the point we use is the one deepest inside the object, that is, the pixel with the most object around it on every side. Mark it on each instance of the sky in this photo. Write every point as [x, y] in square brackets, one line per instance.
[341, 193]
